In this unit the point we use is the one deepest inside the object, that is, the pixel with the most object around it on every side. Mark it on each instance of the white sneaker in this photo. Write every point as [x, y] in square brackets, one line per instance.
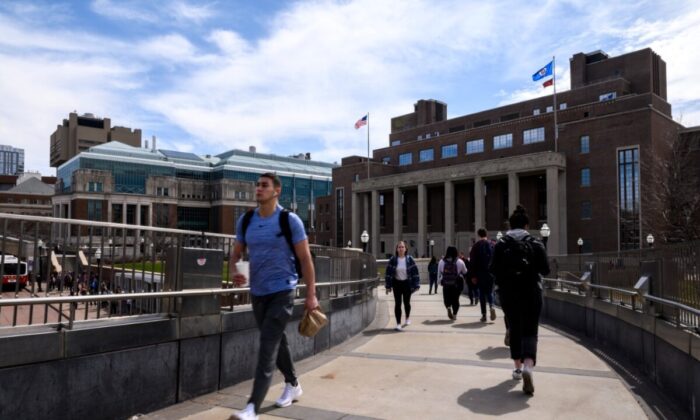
[517, 374]
[248, 413]
[408, 322]
[290, 394]
[397, 328]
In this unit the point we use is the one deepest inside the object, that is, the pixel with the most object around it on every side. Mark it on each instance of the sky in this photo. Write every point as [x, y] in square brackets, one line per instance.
[293, 77]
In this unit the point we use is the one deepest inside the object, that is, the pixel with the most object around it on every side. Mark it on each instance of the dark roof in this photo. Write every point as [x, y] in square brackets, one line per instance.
[32, 186]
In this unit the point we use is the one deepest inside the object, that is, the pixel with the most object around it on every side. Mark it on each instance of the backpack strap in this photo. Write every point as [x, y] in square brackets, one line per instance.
[286, 229]
[246, 221]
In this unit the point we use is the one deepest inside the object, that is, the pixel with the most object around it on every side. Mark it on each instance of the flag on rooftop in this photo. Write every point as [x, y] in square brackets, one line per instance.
[549, 82]
[362, 121]
[543, 72]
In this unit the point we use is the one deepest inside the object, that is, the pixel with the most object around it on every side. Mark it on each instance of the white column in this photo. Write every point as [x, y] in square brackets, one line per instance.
[449, 213]
[374, 234]
[422, 214]
[479, 204]
[355, 226]
[513, 191]
[398, 222]
[553, 245]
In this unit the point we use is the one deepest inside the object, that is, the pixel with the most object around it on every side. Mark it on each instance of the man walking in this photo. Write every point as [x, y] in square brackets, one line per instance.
[273, 278]
[480, 260]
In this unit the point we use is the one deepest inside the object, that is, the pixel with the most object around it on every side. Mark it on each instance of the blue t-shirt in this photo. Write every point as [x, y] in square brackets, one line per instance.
[271, 259]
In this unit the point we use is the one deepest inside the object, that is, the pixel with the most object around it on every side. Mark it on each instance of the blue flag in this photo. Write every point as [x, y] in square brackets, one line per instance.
[543, 72]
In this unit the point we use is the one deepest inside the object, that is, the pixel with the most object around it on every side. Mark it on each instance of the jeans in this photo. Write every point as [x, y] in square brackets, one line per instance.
[402, 291]
[433, 282]
[485, 287]
[272, 312]
[522, 308]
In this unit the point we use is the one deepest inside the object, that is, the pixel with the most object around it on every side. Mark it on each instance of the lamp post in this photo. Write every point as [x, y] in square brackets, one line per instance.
[364, 237]
[432, 247]
[650, 240]
[40, 245]
[544, 233]
[579, 242]
[98, 257]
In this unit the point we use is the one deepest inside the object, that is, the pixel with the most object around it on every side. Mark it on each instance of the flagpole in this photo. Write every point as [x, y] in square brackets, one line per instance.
[367, 144]
[554, 99]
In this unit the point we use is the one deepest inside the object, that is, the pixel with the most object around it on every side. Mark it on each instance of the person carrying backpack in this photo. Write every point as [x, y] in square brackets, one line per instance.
[480, 260]
[518, 263]
[451, 272]
[433, 275]
[273, 280]
[402, 277]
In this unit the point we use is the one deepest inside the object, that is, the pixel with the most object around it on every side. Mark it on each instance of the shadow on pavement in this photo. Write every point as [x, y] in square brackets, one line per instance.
[438, 322]
[471, 325]
[493, 353]
[503, 398]
[379, 331]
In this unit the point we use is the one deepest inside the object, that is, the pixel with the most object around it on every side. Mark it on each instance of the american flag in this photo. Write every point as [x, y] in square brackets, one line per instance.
[362, 121]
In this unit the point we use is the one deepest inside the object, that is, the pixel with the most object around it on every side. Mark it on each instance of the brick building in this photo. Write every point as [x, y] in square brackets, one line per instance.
[440, 178]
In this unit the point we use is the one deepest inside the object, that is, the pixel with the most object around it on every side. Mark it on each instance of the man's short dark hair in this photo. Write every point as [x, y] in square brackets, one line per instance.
[481, 232]
[519, 219]
[275, 179]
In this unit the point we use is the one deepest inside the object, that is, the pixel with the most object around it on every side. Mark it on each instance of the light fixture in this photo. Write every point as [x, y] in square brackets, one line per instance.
[499, 235]
[579, 242]
[650, 239]
[545, 231]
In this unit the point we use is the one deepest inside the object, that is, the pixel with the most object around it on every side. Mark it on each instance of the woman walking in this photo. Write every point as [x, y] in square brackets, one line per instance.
[433, 274]
[451, 272]
[519, 262]
[402, 277]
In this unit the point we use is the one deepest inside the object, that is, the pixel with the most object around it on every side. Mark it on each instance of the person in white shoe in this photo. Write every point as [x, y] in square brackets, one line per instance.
[402, 277]
[273, 280]
[519, 262]
[451, 272]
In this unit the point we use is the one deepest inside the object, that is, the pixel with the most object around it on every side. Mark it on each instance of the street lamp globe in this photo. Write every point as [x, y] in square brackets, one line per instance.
[349, 244]
[579, 242]
[499, 235]
[364, 237]
[545, 231]
[98, 254]
[650, 239]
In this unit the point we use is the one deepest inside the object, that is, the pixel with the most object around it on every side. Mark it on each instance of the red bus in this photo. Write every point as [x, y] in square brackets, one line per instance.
[13, 270]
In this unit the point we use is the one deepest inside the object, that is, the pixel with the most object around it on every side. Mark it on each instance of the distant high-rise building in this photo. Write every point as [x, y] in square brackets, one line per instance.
[80, 132]
[11, 160]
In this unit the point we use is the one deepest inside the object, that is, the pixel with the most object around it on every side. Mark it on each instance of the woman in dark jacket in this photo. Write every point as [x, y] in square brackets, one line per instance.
[519, 262]
[402, 277]
[433, 274]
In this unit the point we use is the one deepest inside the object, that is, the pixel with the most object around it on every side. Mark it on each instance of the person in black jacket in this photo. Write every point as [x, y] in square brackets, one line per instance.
[402, 277]
[518, 263]
[433, 274]
[479, 271]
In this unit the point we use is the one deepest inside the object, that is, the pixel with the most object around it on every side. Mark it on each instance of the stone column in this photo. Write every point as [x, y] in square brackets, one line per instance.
[374, 233]
[513, 191]
[422, 214]
[449, 213]
[124, 205]
[398, 222]
[553, 245]
[365, 217]
[355, 223]
[479, 204]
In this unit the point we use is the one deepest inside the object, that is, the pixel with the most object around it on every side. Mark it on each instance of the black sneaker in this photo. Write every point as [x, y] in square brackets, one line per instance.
[483, 318]
[528, 385]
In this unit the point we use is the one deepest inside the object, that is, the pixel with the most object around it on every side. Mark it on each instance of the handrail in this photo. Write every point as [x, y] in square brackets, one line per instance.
[575, 283]
[150, 295]
[690, 309]
[614, 289]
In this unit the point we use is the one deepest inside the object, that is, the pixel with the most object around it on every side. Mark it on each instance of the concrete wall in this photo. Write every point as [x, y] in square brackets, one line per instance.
[114, 368]
[667, 355]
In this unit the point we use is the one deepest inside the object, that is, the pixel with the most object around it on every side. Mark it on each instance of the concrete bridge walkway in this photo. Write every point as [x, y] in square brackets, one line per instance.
[436, 369]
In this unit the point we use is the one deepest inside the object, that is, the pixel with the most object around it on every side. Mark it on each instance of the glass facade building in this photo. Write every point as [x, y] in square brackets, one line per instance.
[11, 160]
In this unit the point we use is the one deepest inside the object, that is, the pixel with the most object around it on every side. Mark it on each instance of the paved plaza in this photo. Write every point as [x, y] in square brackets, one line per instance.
[437, 369]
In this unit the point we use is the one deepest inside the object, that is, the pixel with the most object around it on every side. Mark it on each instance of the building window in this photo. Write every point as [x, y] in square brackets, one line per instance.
[585, 144]
[475, 146]
[382, 211]
[405, 158]
[628, 186]
[562, 105]
[426, 155]
[449, 151]
[339, 212]
[534, 135]
[93, 186]
[550, 108]
[396, 142]
[356, 178]
[163, 191]
[386, 160]
[607, 96]
[503, 141]
[94, 210]
[536, 111]
[586, 210]
[427, 135]
[586, 177]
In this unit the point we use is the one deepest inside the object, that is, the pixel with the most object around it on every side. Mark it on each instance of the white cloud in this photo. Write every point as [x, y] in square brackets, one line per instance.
[185, 12]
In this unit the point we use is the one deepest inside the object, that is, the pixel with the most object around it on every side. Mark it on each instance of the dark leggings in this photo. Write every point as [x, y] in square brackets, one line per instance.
[433, 282]
[485, 287]
[450, 296]
[402, 290]
[522, 310]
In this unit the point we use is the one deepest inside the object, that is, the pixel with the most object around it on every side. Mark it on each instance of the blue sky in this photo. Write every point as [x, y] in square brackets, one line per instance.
[292, 77]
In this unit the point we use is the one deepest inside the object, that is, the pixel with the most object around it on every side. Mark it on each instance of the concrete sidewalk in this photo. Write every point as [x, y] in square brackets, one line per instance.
[435, 369]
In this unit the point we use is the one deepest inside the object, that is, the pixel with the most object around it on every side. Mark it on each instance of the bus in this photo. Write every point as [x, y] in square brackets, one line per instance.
[13, 270]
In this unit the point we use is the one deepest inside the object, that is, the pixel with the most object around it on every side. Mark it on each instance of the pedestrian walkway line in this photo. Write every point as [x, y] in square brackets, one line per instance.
[466, 362]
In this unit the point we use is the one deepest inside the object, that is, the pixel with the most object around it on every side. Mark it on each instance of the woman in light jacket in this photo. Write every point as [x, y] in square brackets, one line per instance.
[402, 277]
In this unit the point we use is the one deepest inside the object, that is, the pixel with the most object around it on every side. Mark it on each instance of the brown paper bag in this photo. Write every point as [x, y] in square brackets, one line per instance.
[312, 322]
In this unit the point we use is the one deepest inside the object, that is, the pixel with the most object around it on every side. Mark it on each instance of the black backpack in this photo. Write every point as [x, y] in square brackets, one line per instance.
[518, 257]
[286, 232]
[450, 275]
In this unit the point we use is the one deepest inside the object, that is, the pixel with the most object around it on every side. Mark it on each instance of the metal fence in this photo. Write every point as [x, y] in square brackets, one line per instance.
[60, 270]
